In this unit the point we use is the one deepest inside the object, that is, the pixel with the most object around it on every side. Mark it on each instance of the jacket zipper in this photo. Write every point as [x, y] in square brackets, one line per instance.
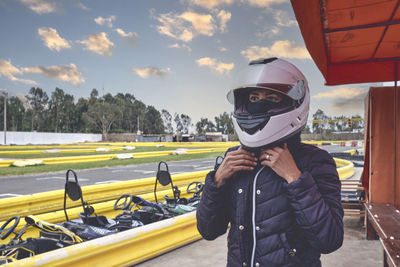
[253, 216]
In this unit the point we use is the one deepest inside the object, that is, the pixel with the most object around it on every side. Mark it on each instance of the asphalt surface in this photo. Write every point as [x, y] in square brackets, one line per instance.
[35, 183]
[355, 251]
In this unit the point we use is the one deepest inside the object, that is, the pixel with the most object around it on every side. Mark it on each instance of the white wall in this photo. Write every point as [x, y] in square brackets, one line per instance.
[38, 138]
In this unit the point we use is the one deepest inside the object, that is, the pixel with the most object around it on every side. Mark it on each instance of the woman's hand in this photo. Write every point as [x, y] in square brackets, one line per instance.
[234, 161]
[281, 161]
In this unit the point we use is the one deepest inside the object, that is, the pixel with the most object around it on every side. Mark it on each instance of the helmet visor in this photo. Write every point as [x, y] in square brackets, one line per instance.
[260, 102]
[295, 92]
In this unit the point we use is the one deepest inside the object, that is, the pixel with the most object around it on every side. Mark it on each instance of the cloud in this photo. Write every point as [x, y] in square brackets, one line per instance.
[186, 26]
[202, 23]
[279, 49]
[9, 71]
[345, 98]
[132, 36]
[224, 17]
[67, 73]
[210, 4]
[181, 46]
[220, 67]
[343, 92]
[151, 71]
[52, 40]
[40, 6]
[82, 6]
[105, 21]
[263, 3]
[283, 18]
[99, 44]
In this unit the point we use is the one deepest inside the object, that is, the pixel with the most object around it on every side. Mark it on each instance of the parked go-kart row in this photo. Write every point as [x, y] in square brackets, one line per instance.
[135, 212]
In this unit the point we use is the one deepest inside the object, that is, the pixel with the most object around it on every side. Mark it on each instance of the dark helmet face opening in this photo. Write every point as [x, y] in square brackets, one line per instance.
[257, 101]
[254, 106]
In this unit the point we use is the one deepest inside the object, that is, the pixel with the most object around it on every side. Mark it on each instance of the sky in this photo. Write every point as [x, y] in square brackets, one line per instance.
[179, 55]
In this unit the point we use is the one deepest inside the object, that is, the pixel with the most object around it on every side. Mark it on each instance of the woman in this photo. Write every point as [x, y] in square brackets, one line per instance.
[281, 197]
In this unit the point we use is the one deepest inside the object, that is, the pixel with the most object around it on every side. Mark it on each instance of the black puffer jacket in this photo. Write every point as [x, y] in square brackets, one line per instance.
[274, 223]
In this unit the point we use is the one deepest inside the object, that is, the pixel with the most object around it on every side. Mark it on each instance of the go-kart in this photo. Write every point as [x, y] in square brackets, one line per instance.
[177, 205]
[52, 237]
[90, 225]
[148, 212]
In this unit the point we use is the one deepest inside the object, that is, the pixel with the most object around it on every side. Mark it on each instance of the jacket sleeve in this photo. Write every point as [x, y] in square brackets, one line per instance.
[212, 216]
[315, 198]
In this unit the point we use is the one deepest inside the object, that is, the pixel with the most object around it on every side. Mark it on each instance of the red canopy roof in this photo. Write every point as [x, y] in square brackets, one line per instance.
[352, 41]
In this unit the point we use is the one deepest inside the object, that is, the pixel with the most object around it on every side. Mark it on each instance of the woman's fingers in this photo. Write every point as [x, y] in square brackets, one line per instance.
[239, 160]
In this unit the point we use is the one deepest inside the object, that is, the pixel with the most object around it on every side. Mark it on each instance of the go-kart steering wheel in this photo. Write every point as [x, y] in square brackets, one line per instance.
[125, 200]
[5, 232]
[195, 188]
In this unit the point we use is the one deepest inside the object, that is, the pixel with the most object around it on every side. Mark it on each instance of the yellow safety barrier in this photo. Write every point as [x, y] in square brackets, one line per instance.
[352, 152]
[123, 144]
[125, 248]
[345, 168]
[52, 201]
[80, 159]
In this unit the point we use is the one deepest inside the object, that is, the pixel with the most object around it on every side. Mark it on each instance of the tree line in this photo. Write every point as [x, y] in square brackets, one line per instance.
[121, 113]
[124, 113]
[322, 123]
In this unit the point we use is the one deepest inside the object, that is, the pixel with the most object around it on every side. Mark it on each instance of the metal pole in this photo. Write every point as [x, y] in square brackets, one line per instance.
[396, 126]
[5, 117]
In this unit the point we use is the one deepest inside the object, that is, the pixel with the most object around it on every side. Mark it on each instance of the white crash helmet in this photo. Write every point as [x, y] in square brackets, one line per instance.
[267, 125]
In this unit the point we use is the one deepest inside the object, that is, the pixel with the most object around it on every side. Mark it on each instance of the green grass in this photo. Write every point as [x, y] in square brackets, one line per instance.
[7, 171]
[54, 155]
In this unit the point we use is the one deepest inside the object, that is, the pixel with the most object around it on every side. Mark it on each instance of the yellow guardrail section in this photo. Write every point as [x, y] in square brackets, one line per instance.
[345, 168]
[52, 201]
[123, 144]
[125, 248]
[80, 159]
[352, 152]
[150, 144]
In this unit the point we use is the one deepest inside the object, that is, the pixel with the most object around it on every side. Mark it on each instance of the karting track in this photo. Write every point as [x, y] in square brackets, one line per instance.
[35, 183]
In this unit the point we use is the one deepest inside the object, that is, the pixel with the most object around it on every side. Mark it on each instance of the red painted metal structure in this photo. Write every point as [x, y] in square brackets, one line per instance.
[352, 41]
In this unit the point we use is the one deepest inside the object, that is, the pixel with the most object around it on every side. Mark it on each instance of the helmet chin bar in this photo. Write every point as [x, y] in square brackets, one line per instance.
[278, 129]
[280, 142]
[253, 126]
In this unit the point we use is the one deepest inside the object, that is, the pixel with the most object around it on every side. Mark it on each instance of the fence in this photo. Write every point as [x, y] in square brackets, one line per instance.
[36, 138]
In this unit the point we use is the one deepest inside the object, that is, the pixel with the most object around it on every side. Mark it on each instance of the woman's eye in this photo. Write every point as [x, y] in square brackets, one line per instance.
[273, 98]
[254, 98]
